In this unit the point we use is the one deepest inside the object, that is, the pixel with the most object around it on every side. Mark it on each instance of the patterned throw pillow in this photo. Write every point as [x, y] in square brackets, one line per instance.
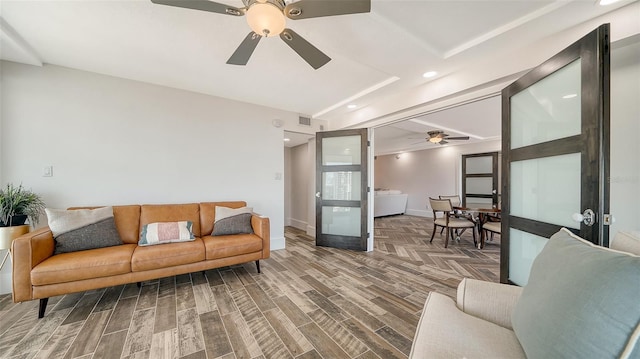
[230, 221]
[97, 235]
[166, 232]
[62, 221]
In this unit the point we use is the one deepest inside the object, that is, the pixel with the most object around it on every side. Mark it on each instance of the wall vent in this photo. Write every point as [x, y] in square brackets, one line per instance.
[305, 121]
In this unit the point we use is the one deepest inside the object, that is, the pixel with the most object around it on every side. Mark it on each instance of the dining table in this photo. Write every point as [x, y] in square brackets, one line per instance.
[484, 211]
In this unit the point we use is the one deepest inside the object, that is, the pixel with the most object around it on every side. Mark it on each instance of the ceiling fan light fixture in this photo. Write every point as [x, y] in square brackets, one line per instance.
[435, 139]
[266, 19]
[295, 12]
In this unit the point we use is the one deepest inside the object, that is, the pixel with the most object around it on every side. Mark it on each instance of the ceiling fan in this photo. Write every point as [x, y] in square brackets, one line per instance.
[267, 18]
[439, 137]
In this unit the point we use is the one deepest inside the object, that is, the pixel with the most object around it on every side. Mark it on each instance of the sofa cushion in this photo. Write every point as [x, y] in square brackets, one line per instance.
[171, 254]
[232, 245]
[62, 221]
[232, 221]
[97, 235]
[92, 263]
[589, 296]
[166, 232]
[444, 331]
[128, 222]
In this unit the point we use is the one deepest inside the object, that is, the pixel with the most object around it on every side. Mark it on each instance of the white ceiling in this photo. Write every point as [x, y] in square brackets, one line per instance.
[375, 55]
[479, 120]
[293, 139]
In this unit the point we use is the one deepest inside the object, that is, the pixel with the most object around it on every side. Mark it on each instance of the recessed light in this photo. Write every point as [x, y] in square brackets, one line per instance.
[572, 95]
[352, 106]
[607, 2]
[429, 74]
[287, 139]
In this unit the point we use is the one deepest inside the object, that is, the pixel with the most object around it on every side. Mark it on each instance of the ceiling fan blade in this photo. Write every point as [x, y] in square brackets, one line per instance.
[305, 9]
[308, 52]
[203, 5]
[458, 138]
[243, 52]
[443, 142]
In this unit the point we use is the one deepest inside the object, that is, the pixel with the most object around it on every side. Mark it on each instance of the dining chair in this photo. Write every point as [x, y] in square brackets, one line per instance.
[456, 202]
[443, 217]
[455, 199]
[492, 226]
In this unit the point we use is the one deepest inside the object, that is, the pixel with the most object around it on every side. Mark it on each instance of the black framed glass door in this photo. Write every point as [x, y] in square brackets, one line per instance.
[342, 189]
[555, 150]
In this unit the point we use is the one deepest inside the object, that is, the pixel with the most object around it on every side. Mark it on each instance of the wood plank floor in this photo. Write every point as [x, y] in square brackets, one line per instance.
[309, 302]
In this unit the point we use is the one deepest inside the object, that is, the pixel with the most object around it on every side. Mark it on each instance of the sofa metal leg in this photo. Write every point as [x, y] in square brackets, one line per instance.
[139, 284]
[43, 307]
[258, 266]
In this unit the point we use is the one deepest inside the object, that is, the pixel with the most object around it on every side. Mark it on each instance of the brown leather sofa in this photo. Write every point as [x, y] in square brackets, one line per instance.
[38, 274]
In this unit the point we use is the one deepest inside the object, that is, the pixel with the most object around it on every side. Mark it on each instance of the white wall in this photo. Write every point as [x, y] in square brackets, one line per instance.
[426, 173]
[113, 141]
[287, 186]
[311, 188]
[625, 135]
[300, 173]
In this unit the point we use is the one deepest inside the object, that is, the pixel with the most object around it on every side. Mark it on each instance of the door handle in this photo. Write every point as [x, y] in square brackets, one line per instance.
[494, 191]
[318, 194]
[588, 217]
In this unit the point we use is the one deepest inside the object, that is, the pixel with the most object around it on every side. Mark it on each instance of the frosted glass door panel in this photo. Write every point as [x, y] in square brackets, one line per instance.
[341, 221]
[479, 202]
[479, 185]
[523, 249]
[343, 150]
[477, 165]
[341, 186]
[549, 109]
[547, 189]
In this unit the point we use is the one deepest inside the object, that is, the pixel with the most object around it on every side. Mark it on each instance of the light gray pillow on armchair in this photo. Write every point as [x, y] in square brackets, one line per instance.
[581, 301]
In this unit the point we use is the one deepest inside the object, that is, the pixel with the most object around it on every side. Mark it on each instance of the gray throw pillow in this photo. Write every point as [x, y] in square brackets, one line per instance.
[581, 301]
[238, 224]
[97, 235]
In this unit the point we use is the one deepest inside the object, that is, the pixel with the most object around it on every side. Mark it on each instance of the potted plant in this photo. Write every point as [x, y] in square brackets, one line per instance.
[18, 204]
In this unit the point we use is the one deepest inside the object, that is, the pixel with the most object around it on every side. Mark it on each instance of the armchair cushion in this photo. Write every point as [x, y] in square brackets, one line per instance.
[489, 301]
[446, 332]
[589, 297]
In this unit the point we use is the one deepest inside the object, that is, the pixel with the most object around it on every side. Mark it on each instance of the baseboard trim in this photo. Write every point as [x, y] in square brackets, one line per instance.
[419, 213]
[277, 243]
[301, 225]
[311, 231]
[5, 281]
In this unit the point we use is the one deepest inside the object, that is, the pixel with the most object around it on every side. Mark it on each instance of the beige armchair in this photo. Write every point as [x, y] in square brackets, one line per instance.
[486, 319]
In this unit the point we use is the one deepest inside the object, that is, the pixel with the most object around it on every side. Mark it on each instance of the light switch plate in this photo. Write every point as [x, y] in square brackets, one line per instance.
[47, 171]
